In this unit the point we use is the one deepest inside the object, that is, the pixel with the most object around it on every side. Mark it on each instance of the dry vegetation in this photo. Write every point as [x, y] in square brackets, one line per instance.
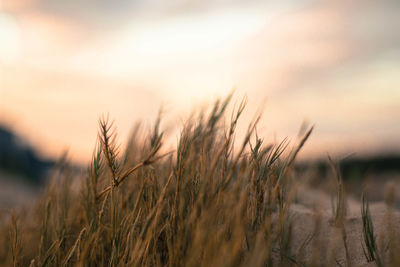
[203, 204]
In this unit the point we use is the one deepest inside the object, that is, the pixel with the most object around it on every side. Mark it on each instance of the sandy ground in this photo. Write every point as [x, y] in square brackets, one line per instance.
[312, 214]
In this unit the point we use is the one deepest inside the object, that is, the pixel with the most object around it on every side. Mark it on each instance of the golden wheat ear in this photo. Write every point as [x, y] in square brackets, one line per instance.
[108, 136]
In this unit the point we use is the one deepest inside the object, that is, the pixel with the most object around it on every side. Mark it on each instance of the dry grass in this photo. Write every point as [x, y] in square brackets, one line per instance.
[201, 205]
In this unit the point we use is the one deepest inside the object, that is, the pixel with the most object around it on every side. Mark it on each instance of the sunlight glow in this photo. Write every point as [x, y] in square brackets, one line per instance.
[140, 47]
[190, 55]
[10, 39]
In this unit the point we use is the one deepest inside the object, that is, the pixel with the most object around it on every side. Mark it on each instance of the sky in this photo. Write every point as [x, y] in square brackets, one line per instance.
[332, 64]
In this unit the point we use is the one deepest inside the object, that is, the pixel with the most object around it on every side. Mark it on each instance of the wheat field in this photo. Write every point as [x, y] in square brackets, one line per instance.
[211, 201]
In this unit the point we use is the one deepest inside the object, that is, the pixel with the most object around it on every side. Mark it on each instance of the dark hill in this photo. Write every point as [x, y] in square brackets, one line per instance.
[17, 157]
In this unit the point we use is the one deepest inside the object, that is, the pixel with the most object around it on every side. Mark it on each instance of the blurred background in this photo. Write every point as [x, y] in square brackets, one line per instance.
[63, 64]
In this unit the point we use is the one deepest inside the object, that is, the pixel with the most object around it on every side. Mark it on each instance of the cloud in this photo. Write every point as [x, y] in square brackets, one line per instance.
[309, 44]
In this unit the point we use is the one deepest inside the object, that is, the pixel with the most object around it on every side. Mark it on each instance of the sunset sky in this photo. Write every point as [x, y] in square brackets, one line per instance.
[335, 64]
